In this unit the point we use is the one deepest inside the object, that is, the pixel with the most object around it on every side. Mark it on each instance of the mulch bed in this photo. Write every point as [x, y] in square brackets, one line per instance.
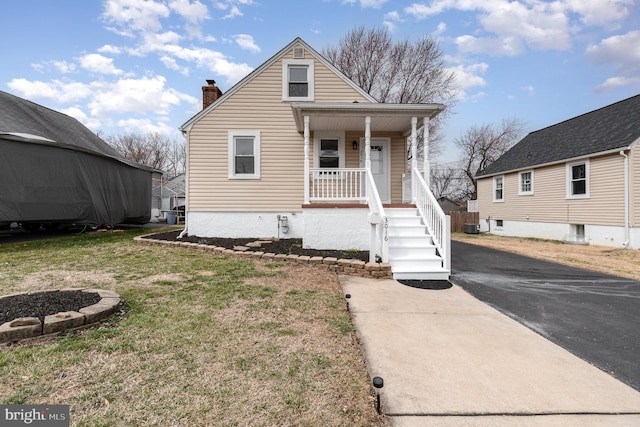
[41, 304]
[281, 246]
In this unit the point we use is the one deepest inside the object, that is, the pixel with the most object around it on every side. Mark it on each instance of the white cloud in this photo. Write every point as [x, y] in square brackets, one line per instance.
[468, 77]
[621, 49]
[509, 46]
[529, 89]
[616, 82]
[80, 116]
[233, 7]
[96, 63]
[600, 12]
[108, 49]
[144, 95]
[246, 42]
[376, 4]
[391, 19]
[623, 52]
[172, 64]
[144, 126]
[193, 13]
[63, 92]
[64, 67]
[137, 15]
[442, 27]
[508, 27]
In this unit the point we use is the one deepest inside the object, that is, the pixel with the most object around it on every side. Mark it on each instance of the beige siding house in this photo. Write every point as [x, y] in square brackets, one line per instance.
[297, 150]
[577, 181]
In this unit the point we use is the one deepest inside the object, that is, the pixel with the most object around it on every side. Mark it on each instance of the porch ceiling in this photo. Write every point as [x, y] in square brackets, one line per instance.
[351, 116]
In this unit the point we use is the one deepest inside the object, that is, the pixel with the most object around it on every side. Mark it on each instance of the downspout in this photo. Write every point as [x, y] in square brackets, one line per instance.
[626, 199]
[186, 186]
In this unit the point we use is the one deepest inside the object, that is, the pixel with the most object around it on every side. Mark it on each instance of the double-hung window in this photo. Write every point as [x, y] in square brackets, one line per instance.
[525, 183]
[498, 189]
[328, 151]
[244, 154]
[578, 180]
[297, 80]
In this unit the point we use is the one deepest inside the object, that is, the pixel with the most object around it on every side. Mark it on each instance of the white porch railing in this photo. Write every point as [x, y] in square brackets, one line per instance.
[354, 185]
[379, 223]
[337, 185]
[438, 224]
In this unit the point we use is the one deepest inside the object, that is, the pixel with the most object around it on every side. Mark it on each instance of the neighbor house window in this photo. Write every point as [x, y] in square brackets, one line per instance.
[526, 183]
[297, 80]
[578, 180]
[244, 154]
[498, 189]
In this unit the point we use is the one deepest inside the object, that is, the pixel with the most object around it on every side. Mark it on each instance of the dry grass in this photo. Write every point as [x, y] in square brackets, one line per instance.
[202, 340]
[618, 262]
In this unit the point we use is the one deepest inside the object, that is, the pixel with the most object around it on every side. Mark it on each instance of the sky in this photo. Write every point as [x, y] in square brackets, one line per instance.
[138, 66]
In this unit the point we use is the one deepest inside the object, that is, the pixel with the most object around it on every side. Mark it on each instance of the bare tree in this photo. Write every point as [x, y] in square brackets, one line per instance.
[482, 145]
[449, 182]
[396, 72]
[152, 149]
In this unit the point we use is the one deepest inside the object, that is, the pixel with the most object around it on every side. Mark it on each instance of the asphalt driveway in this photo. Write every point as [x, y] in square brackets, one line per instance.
[594, 316]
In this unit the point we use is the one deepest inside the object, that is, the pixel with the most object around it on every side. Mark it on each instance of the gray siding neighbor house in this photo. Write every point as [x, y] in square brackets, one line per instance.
[577, 181]
[54, 171]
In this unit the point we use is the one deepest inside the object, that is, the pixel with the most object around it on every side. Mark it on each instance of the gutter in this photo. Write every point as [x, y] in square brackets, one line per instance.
[184, 232]
[626, 199]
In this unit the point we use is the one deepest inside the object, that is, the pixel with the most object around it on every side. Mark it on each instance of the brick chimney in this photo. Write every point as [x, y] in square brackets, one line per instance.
[210, 93]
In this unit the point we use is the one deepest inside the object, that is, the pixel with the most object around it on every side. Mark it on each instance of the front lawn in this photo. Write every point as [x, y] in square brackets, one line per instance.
[202, 340]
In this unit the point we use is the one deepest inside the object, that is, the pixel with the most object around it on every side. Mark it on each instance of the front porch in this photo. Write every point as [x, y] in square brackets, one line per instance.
[368, 191]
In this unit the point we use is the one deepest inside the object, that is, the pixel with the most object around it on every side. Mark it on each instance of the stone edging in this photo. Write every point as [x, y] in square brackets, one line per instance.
[352, 267]
[30, 327]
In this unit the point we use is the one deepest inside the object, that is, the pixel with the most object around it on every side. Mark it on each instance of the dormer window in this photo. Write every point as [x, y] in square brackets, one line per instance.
[297, 80]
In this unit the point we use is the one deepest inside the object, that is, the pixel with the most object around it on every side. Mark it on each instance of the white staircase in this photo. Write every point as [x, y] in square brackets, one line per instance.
[412, 254]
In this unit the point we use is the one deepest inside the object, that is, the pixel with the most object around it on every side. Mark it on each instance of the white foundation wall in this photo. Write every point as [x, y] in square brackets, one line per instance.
[244, 224]
[597, 234]
[339, 229]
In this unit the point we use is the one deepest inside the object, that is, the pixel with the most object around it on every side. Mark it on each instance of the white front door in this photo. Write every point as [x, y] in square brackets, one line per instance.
[380, 166]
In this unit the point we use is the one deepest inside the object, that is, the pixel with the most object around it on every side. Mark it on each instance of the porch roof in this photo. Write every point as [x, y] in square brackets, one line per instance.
[347, 116]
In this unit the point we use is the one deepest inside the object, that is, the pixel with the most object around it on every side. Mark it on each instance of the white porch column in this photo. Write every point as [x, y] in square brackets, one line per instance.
[414, 145]
[306, 160]
[414, 156]
[367, 143]
[427, 166]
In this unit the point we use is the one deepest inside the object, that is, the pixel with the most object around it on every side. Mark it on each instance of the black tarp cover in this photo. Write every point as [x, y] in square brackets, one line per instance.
[55, 170]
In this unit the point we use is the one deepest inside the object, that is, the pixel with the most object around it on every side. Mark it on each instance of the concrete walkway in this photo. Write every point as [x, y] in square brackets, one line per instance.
[448, 359]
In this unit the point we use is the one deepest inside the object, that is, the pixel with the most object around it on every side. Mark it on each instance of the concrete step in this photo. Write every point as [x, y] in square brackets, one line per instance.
[440, 274]
[411, 264]
[418, 252]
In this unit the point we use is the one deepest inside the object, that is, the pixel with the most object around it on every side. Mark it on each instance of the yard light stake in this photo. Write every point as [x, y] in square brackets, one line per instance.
[378, 383]
[348, 296]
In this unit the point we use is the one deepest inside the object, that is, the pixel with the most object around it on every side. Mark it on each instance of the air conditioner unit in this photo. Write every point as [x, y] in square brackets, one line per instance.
[472, 228]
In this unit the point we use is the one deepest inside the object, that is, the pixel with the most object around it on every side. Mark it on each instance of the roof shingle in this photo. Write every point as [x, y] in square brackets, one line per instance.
[613, 127]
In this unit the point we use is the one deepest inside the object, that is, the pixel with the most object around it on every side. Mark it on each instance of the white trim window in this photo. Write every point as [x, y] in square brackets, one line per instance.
[244, 154]
[297, 80]
[328, 150]
[498, 188]
[525, 183]
[578, 180]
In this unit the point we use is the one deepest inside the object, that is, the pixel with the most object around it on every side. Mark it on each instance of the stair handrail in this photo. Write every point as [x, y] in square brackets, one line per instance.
[438, 224]
[379, 222]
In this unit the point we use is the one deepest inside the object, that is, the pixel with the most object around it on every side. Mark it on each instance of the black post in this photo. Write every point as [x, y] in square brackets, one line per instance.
[378, 383]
